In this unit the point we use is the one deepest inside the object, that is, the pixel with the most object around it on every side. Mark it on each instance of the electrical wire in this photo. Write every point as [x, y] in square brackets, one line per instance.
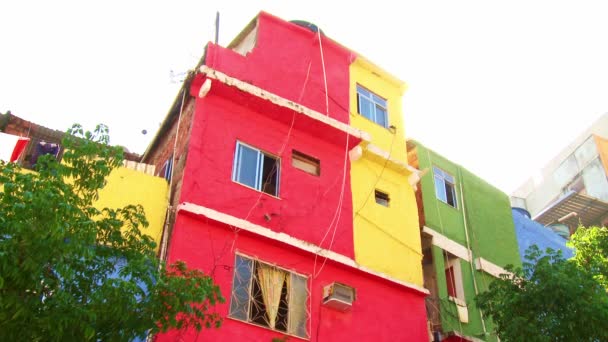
[324, 73]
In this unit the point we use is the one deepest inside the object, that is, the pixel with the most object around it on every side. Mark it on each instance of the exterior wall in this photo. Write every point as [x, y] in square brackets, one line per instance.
[286, 61]
[386, 238]
[602, 148]
[542, 190]
[306, 204]
[165, 145]
[532, 233]
[125, 187]
[485, 212]
[381, 311]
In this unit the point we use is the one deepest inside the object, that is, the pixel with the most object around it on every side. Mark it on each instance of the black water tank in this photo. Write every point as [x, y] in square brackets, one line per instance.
[314, 28]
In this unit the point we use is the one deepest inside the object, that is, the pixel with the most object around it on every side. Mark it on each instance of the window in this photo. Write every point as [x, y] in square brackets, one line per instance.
[453, 277]
[372, 106]
[305, 163]
[256, 169]
[269, 296]
[382, 198]
[444, 187]
[167, 168]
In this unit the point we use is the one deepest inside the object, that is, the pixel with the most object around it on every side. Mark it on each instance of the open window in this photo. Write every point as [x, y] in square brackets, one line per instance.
[382, 198]
[269, 296]
[453, 277]
[256, 169]
[305, 163]
[445, 187]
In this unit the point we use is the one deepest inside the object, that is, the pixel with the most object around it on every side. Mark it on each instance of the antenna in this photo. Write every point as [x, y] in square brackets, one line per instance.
[217, 27]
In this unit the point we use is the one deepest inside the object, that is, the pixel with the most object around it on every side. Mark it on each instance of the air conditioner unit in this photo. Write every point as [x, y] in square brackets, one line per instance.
[338, 296]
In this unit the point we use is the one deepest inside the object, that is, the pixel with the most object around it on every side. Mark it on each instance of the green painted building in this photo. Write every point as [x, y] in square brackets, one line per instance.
[468, 237]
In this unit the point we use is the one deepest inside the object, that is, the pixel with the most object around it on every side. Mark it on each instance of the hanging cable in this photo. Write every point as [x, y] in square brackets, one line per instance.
[324, 73]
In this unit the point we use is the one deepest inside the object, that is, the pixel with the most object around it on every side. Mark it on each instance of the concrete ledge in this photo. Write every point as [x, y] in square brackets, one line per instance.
[291, 241]
[283, 102]
[492, 269]
[447, 244]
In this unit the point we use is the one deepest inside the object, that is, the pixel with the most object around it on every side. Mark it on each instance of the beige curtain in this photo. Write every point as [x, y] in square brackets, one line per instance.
[298, 298]
[271, 282]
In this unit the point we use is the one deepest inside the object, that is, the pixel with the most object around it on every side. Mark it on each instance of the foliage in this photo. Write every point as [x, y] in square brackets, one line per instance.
[69, 271]
[550, 299]
[591, 246]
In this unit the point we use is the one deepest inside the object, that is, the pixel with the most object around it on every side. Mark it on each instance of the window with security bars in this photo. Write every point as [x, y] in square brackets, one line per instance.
[445, 189]
[269, 296]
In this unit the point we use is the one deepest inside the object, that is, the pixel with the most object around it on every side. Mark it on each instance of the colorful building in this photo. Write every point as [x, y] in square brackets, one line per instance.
[468, 237]
[572, 189]
[289, 186]
[531, 233]
[132, 183]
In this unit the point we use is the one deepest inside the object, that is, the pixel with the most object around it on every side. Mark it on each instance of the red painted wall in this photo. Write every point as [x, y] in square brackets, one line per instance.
[381, 312]
[280, 62]
[306, 204]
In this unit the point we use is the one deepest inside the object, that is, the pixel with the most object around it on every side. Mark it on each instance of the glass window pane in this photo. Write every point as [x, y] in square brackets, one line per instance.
[437, 171]
[239, 300]
[566, 171]
[366, 108]
[595, 180]
[377, 99]
[586, 153]
[448, 177]
[247, 166]
[298, 300]
[381, 118]
[440, 189]
[363, 91]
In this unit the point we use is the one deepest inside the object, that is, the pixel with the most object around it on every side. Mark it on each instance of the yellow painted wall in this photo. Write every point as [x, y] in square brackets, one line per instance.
[125, 186]
[386, 86]
[386, 239]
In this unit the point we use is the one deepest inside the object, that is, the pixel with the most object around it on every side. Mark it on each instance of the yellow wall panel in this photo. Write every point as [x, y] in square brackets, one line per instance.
[386, 239]
[126, 186]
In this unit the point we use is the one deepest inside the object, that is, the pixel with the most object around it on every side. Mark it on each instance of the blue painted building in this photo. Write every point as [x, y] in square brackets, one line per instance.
[533, 233]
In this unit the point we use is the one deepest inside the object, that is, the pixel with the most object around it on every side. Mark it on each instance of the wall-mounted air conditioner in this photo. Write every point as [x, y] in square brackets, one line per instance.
[338, 296]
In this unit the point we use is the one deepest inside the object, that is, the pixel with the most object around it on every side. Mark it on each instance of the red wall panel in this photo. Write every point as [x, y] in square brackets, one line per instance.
[382, 311]
[287, 61]
[306, 205]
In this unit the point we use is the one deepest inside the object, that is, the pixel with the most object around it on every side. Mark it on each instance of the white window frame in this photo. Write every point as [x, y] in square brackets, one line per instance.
[376, 100]
[259, 182]
[440, 175]
[454, 262]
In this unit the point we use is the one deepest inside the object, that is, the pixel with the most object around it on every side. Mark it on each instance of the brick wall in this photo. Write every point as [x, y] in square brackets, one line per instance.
[163, 147]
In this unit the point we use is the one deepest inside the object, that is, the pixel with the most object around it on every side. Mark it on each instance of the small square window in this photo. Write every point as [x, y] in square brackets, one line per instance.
[305, 163]
[269, 296]
[382, 198]
[445, 189]
[372, 106]
[256, 169]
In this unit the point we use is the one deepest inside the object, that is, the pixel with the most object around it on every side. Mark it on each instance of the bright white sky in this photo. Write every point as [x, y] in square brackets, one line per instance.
[498, 87]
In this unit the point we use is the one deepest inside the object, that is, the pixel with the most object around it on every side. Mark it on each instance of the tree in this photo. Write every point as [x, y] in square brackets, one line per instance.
[550, 299]
[71, 272]
[591, 245]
